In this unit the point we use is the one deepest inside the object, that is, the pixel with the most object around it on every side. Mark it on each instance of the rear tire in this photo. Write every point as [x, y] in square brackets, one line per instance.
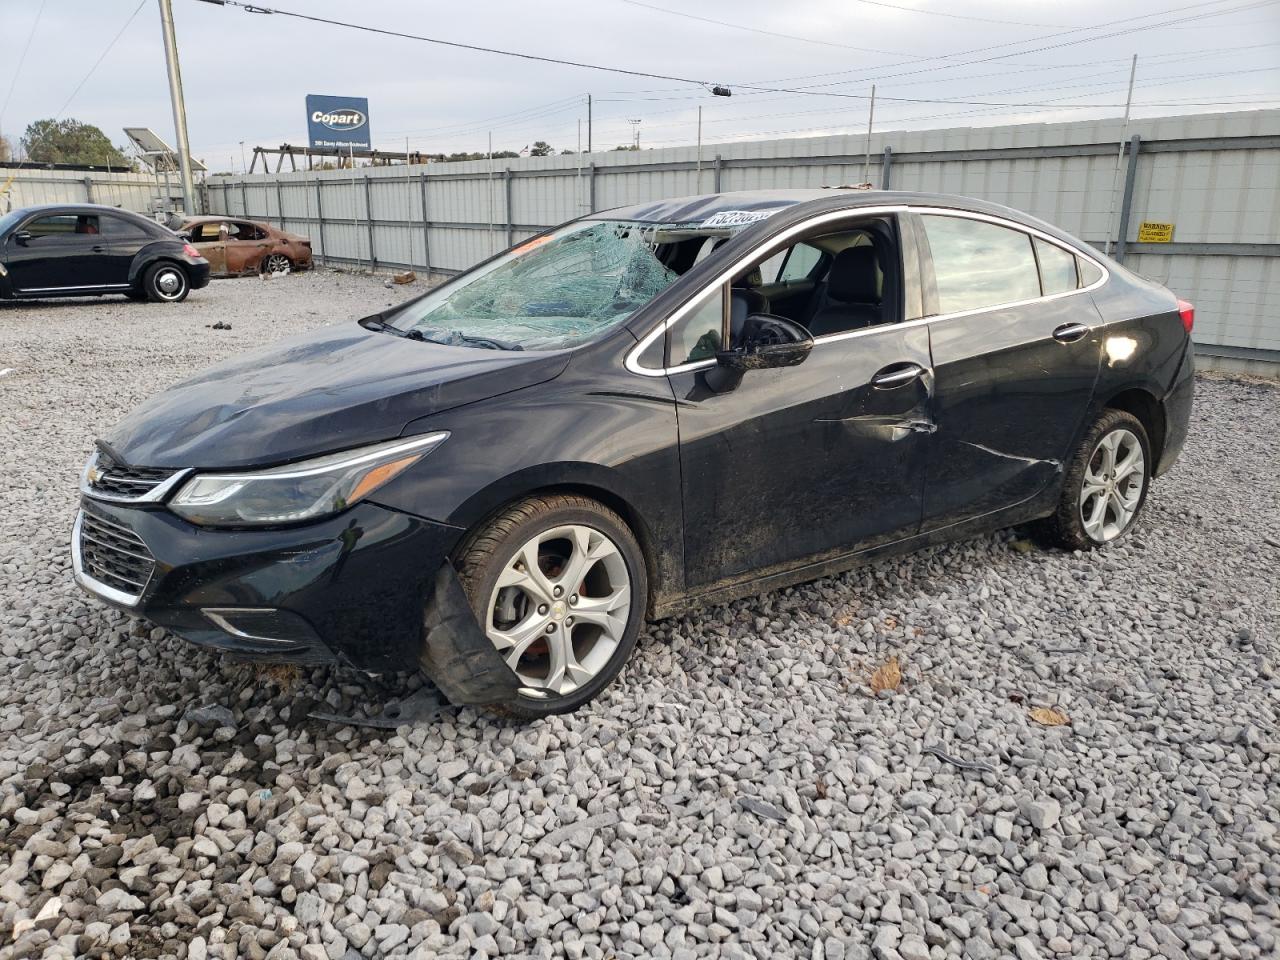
[165, 283]
[276, 263]
[567, 627]
[1105, 486]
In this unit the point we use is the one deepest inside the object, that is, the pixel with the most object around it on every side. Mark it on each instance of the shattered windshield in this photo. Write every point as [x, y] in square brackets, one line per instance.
[552, 292]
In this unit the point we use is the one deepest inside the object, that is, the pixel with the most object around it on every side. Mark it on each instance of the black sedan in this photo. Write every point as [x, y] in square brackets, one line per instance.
[640, 411]
[89, 250]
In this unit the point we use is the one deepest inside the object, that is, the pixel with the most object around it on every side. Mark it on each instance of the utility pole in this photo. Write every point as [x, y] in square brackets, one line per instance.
[1115, 175]
[588, 123]
[635, 133]
[179, 107]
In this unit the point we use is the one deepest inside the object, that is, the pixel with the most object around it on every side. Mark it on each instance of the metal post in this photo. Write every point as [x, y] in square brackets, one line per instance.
[866, 160]
[320, 220]
[1126, 205]
[489, 192]
[886, 165]
[88, 189]
[179, 107]
[718, 167]
[244, 200]
[589, 125]
[280, 203]
[591, 188]
[368, 219]
[511, 227]
[426, 230]
[408, 184]
[698, 163]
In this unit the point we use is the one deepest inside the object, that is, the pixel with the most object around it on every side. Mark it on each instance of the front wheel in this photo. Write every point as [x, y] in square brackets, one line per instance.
[1105, 485]
[165, 283]
[559, 585]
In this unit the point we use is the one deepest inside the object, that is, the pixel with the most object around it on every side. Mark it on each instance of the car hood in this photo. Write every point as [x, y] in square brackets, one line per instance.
[329, 390]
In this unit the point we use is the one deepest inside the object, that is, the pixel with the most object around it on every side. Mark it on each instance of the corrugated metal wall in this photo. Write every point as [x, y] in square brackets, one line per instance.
[26, 187]
[1215, 176]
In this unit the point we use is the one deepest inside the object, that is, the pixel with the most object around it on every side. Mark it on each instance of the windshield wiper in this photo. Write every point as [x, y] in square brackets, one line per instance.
[493, 343]
[452, 338]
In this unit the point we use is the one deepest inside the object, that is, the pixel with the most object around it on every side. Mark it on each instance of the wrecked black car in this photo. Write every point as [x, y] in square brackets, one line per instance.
[646, 409]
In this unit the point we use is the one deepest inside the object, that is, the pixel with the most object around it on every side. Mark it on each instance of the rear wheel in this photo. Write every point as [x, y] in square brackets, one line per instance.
[276, 263]
[165, 283]
[558, 583]
[1105, 485]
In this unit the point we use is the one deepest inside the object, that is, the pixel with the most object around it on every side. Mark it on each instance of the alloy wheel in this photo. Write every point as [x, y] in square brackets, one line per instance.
[276, 263]
[560, 608]
[169, 283]
[1113, 483]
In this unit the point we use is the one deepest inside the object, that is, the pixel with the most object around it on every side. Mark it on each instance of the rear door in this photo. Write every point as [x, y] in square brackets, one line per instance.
[210, 238]
[1015, 362]
[59, 251]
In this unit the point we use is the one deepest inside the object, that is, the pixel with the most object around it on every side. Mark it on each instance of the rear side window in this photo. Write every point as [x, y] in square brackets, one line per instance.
[696, 335]
[119, 228]
[1057, 268]
[1089, 274]
[978, 264]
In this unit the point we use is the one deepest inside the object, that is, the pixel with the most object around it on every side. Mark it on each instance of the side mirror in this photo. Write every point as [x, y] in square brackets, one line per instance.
[768, 342]
[184, 235]
[22, 238]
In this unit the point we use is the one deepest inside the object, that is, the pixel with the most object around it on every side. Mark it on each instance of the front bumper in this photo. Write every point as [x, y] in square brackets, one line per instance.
[349, 589]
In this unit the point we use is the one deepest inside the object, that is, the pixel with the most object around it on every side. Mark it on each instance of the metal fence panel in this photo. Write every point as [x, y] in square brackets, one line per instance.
[1214, 176]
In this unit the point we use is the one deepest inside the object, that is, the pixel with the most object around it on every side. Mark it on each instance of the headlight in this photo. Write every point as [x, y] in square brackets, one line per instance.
[298, 491]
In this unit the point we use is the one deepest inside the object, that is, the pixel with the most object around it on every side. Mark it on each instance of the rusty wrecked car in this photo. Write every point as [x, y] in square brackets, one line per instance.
[643, 410]
[237, 247]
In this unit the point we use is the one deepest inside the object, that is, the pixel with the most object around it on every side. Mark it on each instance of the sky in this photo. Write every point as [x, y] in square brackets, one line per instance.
[799, 68]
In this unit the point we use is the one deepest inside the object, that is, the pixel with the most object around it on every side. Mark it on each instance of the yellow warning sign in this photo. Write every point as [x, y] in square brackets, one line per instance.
[1150, 232]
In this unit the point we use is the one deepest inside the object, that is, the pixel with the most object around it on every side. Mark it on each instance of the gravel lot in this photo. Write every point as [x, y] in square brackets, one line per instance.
[738, 793]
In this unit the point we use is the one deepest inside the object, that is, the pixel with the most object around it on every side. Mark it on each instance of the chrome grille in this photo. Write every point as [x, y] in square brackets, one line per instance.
[120, 481]
[114, 555]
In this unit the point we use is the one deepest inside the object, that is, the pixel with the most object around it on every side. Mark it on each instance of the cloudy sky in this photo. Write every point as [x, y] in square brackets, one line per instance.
[803, 67]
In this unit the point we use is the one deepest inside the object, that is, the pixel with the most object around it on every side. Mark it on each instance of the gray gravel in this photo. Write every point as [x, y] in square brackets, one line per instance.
[738, 793]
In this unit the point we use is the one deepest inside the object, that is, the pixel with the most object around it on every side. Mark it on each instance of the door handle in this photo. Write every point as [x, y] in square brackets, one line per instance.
[98, 248]
[1070, 332]
[897, 375]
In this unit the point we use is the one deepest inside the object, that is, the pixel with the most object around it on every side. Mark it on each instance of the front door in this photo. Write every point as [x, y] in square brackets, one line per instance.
[64, 251]
[803, 463]
[1016, 354]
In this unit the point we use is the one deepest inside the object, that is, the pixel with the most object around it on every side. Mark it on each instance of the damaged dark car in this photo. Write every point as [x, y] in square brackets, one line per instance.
[638, 412]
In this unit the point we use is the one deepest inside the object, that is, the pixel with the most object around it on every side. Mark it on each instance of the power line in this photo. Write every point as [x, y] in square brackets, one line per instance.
[17, 71]
[957, 16]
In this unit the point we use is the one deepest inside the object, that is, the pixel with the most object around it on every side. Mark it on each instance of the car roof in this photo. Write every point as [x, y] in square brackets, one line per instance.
[761, 203]
[81, 208]
[207, 218]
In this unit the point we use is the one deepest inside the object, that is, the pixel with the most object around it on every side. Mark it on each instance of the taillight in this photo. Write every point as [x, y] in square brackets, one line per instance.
[191, 251]
[1188, 314]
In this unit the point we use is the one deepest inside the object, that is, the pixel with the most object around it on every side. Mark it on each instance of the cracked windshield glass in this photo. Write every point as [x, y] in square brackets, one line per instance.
[549, 293]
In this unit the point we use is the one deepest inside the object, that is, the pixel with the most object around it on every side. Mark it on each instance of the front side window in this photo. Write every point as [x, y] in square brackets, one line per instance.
[206, 233]
[1057, 268]
[63, 225]
[978, 264]
[800, 263]
[552, 292]
[696, 335]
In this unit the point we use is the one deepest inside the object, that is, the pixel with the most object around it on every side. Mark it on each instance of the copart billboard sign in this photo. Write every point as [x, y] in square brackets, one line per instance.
[338, 121]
